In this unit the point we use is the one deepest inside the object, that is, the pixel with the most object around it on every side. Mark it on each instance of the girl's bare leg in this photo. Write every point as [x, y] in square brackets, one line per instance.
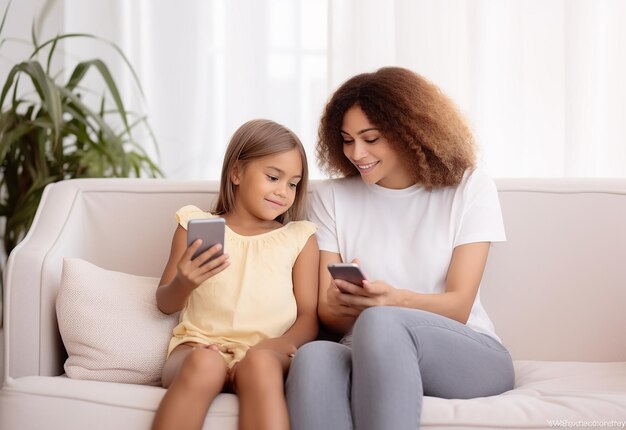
[193, 377]
[259, 382]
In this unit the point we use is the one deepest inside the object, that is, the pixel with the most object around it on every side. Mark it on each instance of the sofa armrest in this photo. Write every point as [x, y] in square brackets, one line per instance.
[23, 278]
[118, 224]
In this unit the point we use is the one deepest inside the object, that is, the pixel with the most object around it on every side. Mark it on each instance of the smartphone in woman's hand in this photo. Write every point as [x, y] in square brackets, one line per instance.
[350, 272]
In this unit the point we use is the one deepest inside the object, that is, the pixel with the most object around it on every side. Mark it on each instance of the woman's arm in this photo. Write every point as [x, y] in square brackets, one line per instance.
[182, 274]
[462, 281]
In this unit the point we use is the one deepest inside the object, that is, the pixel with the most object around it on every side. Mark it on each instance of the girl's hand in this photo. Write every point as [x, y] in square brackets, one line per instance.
[277, 344]
[191, 273]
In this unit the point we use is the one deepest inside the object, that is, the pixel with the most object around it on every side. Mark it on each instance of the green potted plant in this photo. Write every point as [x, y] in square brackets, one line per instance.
[48, 132]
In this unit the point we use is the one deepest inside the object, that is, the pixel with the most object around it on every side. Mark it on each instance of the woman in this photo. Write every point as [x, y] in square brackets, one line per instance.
[418, 217]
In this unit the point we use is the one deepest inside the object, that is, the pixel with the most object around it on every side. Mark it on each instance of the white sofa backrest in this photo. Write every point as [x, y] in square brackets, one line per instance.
[553, 289]
[556, 289]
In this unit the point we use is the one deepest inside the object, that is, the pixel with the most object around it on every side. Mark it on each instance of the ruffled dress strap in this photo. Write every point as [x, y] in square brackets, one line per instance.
[302, 230]
[184, 214]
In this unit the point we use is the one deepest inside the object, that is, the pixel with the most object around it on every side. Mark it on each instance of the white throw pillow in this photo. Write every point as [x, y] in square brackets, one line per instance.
[111, 326]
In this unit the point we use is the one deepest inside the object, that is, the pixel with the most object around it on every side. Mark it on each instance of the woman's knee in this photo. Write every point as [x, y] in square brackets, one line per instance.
[321, 354]
[317, 360]
[378, 323]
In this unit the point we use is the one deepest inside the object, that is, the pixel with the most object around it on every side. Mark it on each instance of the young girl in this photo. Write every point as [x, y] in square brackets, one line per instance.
[243, 314]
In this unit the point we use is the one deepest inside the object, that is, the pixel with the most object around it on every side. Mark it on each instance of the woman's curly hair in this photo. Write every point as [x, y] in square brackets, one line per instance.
[412, 114]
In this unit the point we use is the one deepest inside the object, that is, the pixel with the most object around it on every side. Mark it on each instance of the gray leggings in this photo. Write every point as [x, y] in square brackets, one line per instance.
[397, 356]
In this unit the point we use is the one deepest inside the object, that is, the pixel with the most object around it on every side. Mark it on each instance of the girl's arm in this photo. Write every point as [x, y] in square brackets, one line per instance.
[182, 274]
[462, 281]
[304, 328]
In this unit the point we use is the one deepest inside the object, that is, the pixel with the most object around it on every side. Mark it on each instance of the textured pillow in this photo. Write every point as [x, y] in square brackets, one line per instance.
[111, 326]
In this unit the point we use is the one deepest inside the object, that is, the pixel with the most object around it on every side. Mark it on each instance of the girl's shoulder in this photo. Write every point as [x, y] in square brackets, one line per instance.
[299, 232]
[186, 213]
[303, 227]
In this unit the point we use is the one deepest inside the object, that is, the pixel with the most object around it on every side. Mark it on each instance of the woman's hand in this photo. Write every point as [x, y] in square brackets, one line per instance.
[337, 302]
[346, 299]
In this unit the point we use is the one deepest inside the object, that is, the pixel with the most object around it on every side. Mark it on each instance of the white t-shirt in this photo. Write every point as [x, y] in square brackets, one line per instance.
[406, 237]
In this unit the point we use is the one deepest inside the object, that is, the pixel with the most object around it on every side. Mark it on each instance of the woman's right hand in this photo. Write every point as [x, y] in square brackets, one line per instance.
[331, 307]
[190, 273]
[338, 304]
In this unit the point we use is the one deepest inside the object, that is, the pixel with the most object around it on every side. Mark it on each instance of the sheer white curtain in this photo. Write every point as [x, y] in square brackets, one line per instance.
[208, 66]
[541, 81]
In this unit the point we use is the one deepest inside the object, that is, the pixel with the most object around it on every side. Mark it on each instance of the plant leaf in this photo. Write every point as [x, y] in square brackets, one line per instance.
[111, 44]
[108, 80]
[51, 134]
[45, 87]
[50, 54]
[4, 16]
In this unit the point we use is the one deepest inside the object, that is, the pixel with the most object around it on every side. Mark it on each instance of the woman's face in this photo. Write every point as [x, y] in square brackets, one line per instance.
[376, 161]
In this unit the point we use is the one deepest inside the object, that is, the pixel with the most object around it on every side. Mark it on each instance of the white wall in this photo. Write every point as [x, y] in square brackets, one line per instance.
[539, 80]
[18, 26]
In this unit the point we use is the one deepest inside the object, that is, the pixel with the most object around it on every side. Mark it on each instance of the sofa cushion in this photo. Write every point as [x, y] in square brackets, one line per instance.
[70, 404]
[546, 394]
[110, 325]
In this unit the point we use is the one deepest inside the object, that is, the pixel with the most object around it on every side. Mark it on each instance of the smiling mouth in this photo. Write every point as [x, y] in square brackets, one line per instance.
[365, 168]
[275, 203]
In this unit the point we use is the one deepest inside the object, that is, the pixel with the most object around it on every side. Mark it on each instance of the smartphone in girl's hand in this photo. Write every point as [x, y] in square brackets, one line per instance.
[210, 230]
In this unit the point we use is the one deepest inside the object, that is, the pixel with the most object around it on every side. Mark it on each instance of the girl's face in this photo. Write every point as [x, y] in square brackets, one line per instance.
[370, 152]
[267, 186]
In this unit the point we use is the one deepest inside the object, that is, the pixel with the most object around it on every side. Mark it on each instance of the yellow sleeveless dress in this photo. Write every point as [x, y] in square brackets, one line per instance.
[252, 299]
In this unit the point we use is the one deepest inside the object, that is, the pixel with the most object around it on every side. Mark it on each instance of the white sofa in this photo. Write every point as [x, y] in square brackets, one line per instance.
[556, 292]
